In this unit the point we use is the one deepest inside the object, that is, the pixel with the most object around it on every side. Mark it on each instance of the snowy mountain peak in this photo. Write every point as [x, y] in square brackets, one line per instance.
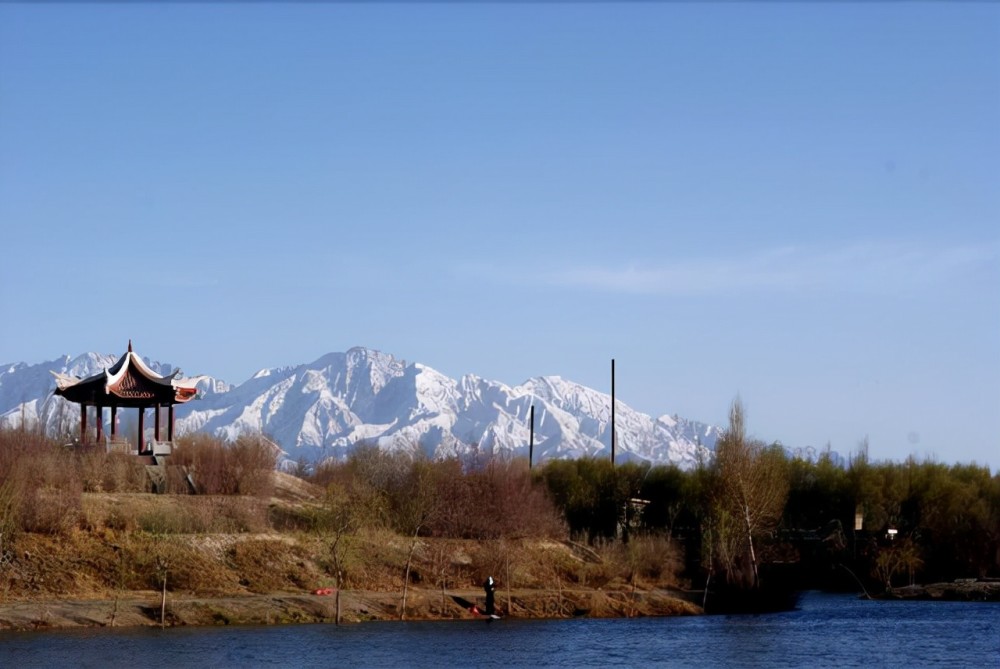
[327, 407]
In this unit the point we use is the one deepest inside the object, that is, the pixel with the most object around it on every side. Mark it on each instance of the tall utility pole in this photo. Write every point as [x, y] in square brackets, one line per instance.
[531, 439]
[612, 412]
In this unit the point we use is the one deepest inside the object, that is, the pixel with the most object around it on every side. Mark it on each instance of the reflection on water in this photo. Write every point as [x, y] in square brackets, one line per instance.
[827, 630]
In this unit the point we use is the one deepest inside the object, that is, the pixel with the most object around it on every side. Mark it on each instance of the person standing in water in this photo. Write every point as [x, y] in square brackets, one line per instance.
[489, 586]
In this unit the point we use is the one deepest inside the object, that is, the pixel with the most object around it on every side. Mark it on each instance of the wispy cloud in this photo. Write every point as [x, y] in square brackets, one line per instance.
[869, 268]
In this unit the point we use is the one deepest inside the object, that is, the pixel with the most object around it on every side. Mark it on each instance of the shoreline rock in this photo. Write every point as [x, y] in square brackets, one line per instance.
[961, 590]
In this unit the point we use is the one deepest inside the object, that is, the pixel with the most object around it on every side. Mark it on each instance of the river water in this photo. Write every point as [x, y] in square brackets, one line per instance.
[825, 631]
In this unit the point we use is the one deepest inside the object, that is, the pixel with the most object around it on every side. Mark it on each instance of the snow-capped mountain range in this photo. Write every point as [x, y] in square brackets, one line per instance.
[327, 407]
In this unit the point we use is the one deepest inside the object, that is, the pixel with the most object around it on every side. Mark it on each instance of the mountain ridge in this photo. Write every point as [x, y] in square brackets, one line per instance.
[327, 407]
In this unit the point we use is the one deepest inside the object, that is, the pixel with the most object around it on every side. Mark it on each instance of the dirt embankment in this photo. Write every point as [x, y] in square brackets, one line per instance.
[148, 609]
[239, 560]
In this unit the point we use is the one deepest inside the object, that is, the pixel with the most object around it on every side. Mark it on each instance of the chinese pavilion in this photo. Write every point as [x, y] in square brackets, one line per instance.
[129, 383]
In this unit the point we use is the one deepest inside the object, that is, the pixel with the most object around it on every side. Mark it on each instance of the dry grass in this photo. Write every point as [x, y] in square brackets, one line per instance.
[174, 514]
[545, 578]
[271, 564]
[111, 472]
[213, 545]
[80, 524]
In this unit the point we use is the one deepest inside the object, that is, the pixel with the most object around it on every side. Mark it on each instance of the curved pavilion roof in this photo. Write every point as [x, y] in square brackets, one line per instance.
[128, 383]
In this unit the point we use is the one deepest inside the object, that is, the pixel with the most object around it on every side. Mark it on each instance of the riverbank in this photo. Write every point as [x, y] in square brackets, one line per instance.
[911, 634]
[961, 590]
[135, 609]
[243, 560]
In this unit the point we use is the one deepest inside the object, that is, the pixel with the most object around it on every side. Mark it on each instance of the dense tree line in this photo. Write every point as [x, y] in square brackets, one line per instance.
[755, 505]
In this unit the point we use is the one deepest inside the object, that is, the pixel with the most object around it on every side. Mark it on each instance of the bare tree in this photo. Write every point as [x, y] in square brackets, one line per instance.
[422, 505]
[752, 486]
[348, 506]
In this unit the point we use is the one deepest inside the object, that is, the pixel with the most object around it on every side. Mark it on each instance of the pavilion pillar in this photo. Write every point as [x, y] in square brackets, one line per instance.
[142, 428]
[170, 423]
[114, 421]
[100, 422]
[157, 423]
[83, 423]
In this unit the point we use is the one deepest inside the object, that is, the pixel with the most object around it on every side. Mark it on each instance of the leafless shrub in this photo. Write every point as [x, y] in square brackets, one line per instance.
[16, 446]
[441, 498]
[498, 501]
[124, 473]
[252, 461]
[110, 472]
[244, 467]
[655, 558]
[204, 457]
[91, 466]
[608, 568]
[650, 560]
[178, 482]
[42, 485]
[521, 508]
[10, 508]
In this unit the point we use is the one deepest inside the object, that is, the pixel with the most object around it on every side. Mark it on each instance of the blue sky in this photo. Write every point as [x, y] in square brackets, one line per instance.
[795, 203]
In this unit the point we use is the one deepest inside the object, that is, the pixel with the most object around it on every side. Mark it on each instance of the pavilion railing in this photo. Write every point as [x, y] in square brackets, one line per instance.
[119, 445]
[160, 447]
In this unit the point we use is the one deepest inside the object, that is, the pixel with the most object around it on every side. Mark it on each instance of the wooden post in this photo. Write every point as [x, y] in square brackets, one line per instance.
[99, 412]
[142, 428]
[170, 423]
[631, 606]
[337, 618]
[114, 421]
[406, 577]
[83, 423]
[156, 421]
[506, 561]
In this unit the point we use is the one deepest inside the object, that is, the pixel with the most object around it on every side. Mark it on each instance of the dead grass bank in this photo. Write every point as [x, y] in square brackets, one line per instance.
[254, 560]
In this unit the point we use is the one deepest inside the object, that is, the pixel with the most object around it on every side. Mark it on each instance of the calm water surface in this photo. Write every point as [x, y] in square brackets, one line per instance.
[826, 631]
